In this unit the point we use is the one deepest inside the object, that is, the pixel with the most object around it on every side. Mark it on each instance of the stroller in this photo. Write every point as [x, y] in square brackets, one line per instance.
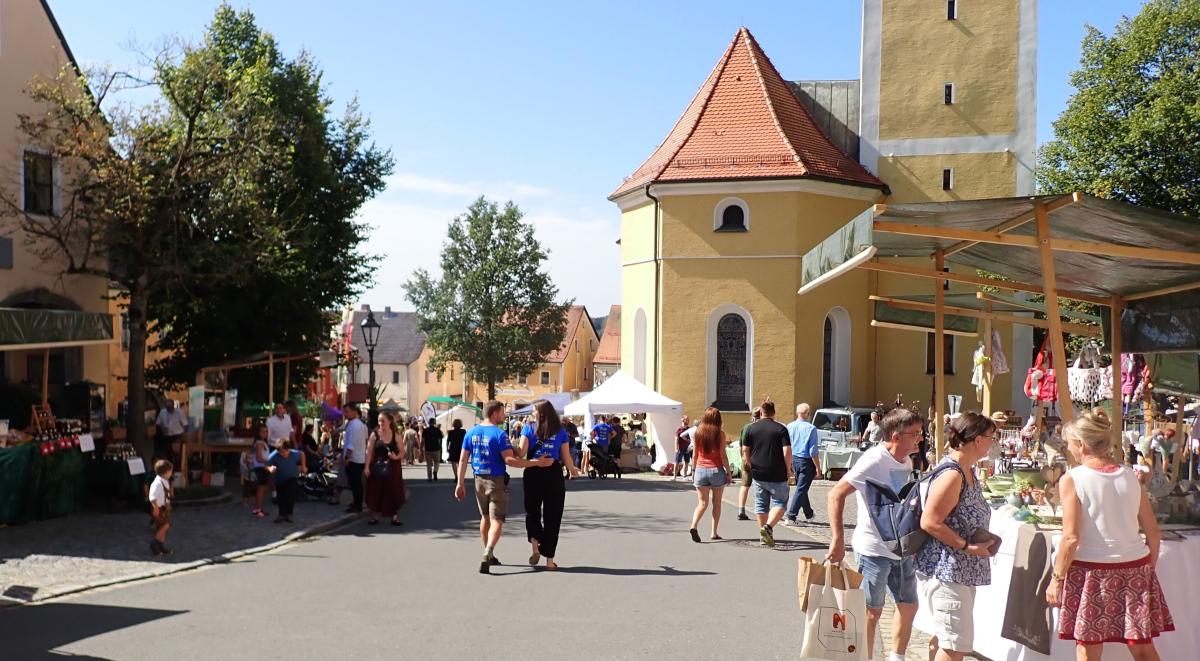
[602, 463]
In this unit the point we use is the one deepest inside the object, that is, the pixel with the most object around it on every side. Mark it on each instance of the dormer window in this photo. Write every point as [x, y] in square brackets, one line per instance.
[731, 215]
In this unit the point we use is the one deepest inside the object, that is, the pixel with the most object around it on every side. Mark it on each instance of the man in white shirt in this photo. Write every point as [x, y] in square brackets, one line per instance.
[874, 431]
[354, 448]
[171, 424]
[886, 463]
[279, 426]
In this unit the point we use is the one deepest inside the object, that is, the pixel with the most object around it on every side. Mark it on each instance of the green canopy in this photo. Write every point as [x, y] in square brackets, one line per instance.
[22, 328]
[454, 402]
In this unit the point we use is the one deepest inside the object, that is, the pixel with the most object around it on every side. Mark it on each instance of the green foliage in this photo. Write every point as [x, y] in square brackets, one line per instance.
[1131, 131]
[493, 308]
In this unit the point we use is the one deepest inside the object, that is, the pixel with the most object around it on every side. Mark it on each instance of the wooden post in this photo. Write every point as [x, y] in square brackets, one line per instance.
[45, 377]
[1118, 411]
[987, 371]
[287, 377]
[939, 356]
[270, 381]
[1180, 440]
[1053, 315]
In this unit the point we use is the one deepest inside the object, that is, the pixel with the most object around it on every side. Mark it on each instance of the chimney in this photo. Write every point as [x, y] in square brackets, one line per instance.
[366, 307]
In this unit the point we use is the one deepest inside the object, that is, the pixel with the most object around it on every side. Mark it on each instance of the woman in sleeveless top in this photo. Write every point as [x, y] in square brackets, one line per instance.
[258, 466]
[545, 488]
[951, 565]
[385, 486]
[1104, 580]
[710, 470]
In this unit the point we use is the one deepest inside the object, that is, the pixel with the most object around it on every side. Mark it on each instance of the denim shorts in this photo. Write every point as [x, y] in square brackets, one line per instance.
[895, 576]
[681, 456]
[769, 496]
[710, 477]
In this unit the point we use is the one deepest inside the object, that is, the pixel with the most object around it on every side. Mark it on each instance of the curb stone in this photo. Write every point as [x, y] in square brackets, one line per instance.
[224, 558]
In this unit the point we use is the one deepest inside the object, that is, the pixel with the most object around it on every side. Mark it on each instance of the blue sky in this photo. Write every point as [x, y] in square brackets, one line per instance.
[550, 104]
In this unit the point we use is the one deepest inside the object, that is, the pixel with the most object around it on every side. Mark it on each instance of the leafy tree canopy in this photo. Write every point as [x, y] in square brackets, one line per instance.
[494, 308]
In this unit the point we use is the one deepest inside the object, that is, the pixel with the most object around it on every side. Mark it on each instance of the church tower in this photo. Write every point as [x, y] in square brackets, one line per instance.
[949, 97]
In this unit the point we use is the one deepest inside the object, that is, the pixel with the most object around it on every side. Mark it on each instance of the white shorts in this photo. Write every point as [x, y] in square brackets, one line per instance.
[952, 605]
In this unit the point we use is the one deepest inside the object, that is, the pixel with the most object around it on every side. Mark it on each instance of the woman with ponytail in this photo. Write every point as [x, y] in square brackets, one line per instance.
[710, 468]
[1103, 564]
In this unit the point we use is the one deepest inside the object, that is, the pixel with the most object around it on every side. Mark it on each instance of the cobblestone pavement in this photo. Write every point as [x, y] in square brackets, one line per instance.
[56, 556]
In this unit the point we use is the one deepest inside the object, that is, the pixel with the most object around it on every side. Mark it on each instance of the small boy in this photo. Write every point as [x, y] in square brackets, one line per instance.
[246, 466]
[160, 506]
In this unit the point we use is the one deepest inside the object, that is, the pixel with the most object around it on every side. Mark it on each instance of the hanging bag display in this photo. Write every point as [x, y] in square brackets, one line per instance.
[1041, 382]
[835, 624]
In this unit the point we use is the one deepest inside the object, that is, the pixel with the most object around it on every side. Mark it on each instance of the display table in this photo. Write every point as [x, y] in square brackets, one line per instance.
[207, 450]
[836, 456]
[1178, 572]
[734, 453]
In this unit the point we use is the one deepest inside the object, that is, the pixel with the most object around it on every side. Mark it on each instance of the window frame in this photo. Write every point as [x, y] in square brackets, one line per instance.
[948, 362]
[395, 377]
[951, 10]
[712, 350]
[719, 215]
[949, 94]
[544, 378]
[948, 179]
[26, 153]
[523, 379]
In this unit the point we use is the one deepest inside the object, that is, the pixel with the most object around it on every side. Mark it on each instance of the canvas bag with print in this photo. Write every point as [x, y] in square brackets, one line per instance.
[835, 624]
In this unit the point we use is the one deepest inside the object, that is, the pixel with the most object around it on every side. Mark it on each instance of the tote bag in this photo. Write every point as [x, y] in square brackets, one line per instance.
[835, 624]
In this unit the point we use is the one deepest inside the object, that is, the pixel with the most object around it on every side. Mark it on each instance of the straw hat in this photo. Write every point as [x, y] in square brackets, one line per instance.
[1000, 418]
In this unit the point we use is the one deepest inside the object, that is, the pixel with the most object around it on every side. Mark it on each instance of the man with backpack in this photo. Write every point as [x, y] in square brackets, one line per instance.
[886, 464]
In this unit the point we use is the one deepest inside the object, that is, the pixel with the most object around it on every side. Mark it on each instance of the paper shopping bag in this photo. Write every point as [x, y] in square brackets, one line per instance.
[812, 573]
[835, 623]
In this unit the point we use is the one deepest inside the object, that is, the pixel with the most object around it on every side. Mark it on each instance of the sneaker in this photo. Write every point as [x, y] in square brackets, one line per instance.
[789, 521]
[494, 561]
[485, 567]
[742, 516]
[162, 548]
[768, 537]
[154, 548]
[809, 515]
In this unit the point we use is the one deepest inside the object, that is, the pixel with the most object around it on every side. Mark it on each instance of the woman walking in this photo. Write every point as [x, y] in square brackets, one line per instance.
[410, 443]
[285, 465]
[545, 488]
[710, 468]
[454, 442]
[1103, 565]
[384, 471]
[258, 466]
[950, 565]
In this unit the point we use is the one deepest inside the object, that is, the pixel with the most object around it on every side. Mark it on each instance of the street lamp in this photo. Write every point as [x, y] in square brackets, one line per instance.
[370, 334]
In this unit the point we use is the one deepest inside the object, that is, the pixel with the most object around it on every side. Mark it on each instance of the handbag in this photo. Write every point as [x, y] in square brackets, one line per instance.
[382, 468]
[835, 624]
[1041, 382]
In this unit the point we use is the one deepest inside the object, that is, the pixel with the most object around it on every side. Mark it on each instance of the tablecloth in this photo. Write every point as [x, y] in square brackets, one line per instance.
[838, 457]
[1178, 571]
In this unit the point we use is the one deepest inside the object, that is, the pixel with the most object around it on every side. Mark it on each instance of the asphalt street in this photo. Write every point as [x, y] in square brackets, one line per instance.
[632, 585]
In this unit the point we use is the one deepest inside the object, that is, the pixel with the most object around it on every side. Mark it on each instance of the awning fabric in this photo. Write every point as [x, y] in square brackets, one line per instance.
[921, 319]
[1166, 323]
[621, 393]
[1175, 373]
[557, 399]
[22, 327]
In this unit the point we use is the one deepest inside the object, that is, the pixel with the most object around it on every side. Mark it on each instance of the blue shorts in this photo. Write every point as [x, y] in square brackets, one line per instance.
[895, 576]
[710, 477]
[774, 494]
[681, 456]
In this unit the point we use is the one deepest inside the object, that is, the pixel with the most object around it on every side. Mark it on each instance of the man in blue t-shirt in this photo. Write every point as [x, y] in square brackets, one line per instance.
[601, 433]
[486, 447]
[806, 462]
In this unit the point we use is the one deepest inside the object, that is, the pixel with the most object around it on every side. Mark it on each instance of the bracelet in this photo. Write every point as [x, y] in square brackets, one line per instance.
[966, 544]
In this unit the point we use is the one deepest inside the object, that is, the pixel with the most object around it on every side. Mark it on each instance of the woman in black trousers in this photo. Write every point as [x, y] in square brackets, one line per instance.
[545, 488]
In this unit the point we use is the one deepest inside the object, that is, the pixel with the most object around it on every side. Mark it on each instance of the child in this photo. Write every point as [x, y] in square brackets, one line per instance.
[160, 506]
[246, 464]
[286, 464]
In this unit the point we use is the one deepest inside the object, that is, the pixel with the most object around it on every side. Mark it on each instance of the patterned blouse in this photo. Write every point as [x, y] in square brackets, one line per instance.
[939, 561]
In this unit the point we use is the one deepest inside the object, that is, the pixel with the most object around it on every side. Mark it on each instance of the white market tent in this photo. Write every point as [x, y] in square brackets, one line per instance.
[621, 393]
[470, 417]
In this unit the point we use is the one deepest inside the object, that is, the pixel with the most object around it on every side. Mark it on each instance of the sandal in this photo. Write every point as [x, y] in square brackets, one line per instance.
[695, 535]
[716, 538]
[396, 522]
[373, 522]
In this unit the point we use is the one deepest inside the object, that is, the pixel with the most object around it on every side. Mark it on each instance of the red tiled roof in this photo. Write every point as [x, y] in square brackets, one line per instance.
[609, 351]
[575, 315]
[746, 123]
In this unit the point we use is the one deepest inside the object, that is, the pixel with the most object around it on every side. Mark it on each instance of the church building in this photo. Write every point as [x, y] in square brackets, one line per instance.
[760, 168]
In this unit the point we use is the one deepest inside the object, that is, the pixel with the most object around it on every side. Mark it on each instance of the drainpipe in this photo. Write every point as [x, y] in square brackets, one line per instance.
[657, 287]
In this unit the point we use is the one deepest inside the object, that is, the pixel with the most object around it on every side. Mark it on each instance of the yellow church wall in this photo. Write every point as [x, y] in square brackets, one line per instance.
[849, 292]
[977, 52]
[637, 286]
[976, 176]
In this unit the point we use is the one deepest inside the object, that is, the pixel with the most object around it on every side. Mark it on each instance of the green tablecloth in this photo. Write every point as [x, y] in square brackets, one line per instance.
[734, 453]
[838, 457]
[33, 486]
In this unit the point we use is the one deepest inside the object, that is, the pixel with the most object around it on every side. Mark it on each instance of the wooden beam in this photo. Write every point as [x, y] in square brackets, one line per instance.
[918, 329]
[1023, 241]
[939, 354]
[1118, 412]
[1077, 329]
[1008, 225]
[903, 269]
[1164, 290]
[45, 377]
[1065, 406]
[1036, 307]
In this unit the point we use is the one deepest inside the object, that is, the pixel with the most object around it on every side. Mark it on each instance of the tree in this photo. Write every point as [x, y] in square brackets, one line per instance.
[316, 265]
[493, 309]
[1131, 131]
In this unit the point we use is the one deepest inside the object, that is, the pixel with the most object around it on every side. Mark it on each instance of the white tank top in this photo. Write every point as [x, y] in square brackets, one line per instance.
[1108, 526]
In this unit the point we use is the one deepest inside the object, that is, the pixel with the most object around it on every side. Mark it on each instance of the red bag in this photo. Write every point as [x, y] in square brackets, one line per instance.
[1047, 383]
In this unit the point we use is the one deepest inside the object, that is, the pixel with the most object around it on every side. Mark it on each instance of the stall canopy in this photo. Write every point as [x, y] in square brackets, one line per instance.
[1141, 263]
[22, 328]
[558, 399]
[621, 393]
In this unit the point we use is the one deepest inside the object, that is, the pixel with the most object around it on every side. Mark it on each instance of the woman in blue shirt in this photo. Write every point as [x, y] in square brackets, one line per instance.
[545, 488]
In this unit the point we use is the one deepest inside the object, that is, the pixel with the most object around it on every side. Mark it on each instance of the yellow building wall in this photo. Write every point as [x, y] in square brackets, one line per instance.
[976, 176]
[921, 51]
[637, 287]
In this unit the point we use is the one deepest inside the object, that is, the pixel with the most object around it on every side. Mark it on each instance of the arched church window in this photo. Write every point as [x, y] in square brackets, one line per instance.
[731, 215]
[731, 364]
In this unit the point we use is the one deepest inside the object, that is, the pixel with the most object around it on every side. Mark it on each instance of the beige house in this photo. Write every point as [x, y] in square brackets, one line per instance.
[607, 360]
[54, 329]
[567, 369]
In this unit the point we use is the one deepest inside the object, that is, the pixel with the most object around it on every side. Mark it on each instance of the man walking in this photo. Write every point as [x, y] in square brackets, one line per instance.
[767, 449]
[431, 439]
[172, 423]
[279, 426]
[806, 462]
[354, 450]
[886, 463]
[744, 491]
[489, 452]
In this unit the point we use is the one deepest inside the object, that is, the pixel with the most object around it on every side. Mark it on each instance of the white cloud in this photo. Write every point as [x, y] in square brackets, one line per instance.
[409, 231]
[416, 183]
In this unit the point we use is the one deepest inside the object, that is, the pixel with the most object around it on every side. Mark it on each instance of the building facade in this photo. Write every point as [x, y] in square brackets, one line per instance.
[608, 356]
[758, 170]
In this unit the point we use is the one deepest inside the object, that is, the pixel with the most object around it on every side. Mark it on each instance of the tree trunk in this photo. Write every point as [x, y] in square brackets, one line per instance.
[491, 386]
[135, 427]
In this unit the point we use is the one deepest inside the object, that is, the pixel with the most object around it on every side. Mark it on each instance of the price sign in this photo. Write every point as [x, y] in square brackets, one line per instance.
[87, 443]
[137, 466]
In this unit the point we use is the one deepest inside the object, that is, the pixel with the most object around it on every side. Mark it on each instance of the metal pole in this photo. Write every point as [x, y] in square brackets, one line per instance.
[371, 415]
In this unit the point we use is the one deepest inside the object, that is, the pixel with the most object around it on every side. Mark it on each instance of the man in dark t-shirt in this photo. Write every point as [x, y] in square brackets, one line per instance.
[431, 440]
[767, 449]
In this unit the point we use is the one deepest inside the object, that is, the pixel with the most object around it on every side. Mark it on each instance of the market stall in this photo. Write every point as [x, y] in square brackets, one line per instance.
[621, 393]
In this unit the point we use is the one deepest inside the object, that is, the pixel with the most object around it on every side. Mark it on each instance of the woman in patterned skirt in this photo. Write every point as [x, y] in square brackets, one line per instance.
[1104, 580]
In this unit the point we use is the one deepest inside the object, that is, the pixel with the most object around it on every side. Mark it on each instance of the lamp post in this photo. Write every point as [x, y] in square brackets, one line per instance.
[370, 334]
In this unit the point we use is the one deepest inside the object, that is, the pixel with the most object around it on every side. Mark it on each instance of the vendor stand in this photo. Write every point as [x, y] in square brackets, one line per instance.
[1143, 265]
[621, 393]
